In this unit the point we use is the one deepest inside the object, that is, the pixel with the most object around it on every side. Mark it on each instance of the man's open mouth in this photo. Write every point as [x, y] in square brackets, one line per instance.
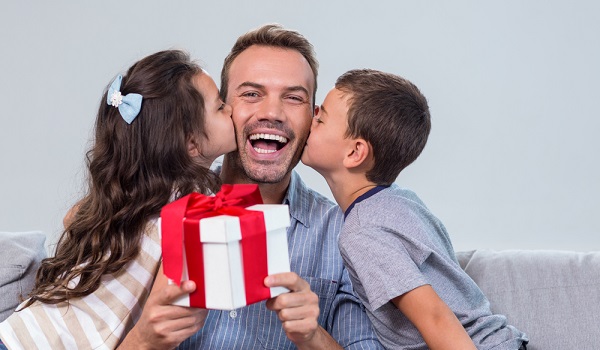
[267, 143]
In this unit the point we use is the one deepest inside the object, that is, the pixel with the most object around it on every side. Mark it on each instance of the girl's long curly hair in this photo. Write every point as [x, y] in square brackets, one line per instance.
[134, 170]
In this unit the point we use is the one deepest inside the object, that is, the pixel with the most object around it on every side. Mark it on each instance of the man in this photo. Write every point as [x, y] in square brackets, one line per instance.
[270, 80]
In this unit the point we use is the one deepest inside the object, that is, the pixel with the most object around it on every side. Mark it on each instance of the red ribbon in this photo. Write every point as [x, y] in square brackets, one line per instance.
[181, 228]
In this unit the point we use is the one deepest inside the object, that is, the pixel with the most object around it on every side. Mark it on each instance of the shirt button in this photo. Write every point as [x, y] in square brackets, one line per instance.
[233, 314]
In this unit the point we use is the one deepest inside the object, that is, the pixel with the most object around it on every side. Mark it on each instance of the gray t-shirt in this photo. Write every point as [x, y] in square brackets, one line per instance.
[392, 244]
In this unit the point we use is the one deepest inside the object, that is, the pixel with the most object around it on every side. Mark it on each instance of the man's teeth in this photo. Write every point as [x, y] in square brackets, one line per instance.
[270, 137]
[277, 138]
[260, 150]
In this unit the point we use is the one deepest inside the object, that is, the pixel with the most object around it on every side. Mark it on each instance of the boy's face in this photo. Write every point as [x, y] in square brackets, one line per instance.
[326, 146]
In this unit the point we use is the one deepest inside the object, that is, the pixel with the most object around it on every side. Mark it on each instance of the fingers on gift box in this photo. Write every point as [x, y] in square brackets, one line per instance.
[225, 246]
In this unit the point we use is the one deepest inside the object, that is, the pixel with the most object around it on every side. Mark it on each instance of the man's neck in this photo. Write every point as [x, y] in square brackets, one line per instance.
[272, 193]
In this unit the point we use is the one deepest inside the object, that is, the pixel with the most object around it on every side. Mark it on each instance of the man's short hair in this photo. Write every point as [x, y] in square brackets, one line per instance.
[273, 35]
[391, 114]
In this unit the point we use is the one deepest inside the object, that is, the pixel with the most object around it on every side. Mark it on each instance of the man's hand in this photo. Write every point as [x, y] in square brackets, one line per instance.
[298, 312]
[162, 325]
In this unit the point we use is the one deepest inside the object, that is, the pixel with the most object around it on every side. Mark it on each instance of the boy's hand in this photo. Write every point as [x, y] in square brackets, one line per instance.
[298, 312]
[162, 325]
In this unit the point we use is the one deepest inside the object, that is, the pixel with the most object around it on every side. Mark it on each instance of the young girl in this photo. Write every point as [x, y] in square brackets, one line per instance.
[158, 129]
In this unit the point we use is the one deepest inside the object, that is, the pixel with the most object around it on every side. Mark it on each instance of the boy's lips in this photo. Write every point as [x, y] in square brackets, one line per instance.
[267, 142]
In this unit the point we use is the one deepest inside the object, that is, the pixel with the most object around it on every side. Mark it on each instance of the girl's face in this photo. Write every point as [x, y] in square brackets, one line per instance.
[217, 122]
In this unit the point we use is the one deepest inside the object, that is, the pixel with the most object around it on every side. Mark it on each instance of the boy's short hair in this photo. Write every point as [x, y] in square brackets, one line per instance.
[391, 114]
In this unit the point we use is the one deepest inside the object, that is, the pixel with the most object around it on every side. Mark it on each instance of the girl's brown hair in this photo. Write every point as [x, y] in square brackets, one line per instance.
[134, 170]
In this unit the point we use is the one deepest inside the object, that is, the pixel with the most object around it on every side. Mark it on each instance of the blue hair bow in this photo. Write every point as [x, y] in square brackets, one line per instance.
[129, 105]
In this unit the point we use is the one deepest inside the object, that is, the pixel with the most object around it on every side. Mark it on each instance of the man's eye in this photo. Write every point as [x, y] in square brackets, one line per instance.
[295, 98]
[250, 94]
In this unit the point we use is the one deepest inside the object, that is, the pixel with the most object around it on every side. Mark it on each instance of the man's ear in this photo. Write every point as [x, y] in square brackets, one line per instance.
[358, 154]
[192, 147]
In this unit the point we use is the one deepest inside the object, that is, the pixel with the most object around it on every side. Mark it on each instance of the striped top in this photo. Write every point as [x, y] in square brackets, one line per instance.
[97, 321]
[314, 256]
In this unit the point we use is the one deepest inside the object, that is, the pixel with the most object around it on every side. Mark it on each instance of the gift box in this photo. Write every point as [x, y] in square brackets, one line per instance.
[225, 245]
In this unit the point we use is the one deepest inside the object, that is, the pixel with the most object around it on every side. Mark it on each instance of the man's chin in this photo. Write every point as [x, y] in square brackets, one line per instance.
[267, 169]
[267, 176]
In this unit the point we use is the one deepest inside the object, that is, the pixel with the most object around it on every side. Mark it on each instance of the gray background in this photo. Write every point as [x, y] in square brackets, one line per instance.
[513, 88]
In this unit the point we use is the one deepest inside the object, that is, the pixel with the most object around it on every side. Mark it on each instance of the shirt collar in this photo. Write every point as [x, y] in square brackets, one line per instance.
[364, 196]
[297, 199]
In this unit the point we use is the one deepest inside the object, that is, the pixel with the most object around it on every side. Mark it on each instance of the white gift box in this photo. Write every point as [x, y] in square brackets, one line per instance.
[221, 238]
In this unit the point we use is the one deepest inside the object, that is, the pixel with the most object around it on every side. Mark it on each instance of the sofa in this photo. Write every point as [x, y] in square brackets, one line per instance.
[553, 296]
[22, 253]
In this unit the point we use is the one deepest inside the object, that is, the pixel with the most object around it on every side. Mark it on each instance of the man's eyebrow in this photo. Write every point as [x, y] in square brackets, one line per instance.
[262, 87]
[297, 88]
[250, 84]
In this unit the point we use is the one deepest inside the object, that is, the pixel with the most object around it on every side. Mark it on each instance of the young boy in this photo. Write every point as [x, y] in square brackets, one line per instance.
[400, 258]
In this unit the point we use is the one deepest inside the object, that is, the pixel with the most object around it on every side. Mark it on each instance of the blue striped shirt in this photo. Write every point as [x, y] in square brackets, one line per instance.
[314, 256]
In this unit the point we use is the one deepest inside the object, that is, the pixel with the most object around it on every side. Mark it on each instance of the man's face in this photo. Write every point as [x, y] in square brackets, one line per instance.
[270, 90]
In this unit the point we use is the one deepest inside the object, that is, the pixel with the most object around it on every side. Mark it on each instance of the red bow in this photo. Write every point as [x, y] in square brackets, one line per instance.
[189, 210]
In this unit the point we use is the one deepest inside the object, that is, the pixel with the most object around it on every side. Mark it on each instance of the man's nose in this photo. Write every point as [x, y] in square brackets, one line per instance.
[272, 109]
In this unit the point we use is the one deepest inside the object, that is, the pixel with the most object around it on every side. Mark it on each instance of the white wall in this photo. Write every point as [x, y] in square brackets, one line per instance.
[513, 88]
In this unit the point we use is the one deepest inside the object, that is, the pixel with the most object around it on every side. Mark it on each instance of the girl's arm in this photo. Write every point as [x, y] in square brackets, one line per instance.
[70, 215]
[433, 318]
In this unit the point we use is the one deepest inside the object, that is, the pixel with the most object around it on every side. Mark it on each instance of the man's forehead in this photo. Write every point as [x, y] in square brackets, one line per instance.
[271, 66]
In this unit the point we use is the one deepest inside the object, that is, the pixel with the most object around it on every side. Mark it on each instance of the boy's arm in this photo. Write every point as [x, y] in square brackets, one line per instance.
[434, 319]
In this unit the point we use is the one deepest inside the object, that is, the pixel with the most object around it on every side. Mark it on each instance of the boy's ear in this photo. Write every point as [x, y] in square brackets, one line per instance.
[192, 147]
[358, 154]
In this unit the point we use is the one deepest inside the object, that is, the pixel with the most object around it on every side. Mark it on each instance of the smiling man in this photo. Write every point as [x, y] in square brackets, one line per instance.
[271, 92]
[270, 79]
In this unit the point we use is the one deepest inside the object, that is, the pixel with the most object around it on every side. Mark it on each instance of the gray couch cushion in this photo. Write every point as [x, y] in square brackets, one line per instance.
[22, 253]
[552, 296]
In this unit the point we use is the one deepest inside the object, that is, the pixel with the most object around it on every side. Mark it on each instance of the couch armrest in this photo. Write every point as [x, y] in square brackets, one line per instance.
[22, 253]
[552, 296]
